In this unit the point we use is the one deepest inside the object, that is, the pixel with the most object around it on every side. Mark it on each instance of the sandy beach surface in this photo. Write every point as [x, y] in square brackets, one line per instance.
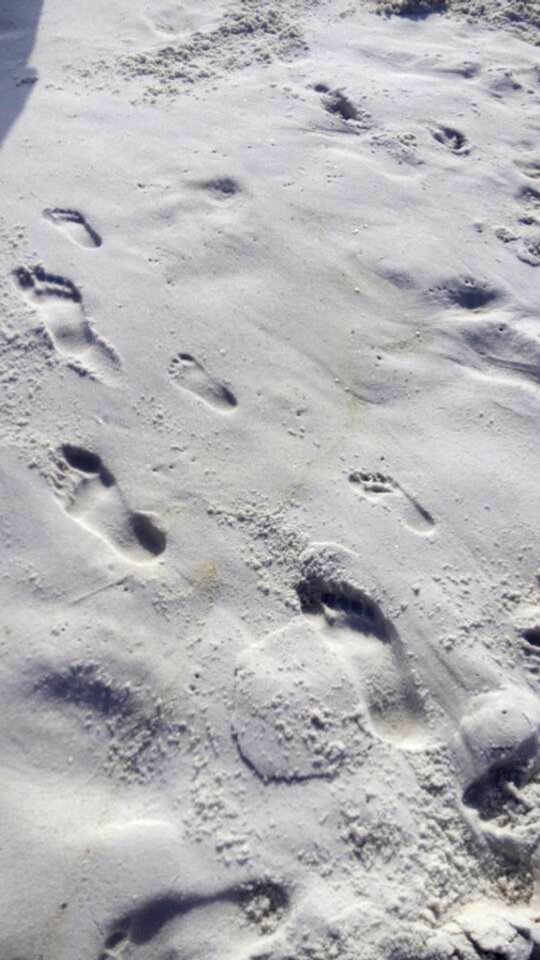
[270, 397]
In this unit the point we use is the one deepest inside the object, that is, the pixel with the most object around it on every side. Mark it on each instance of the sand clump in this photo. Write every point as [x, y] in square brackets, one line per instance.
[520, 16]
[247, 34]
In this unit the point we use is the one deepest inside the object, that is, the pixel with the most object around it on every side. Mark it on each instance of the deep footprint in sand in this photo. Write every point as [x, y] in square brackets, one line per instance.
[99, 505]
[187, 373]
[75, 225]
[381, 488]
[356, 629]
[59, 303]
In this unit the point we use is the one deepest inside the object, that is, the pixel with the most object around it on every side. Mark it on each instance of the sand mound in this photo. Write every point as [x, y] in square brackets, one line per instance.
[520, 16]
[247, 34]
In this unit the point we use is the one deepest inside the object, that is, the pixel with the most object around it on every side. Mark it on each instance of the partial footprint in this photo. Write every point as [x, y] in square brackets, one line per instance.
[381, 488]
[99, 505]
[59, 303]
[357, 630]
[74, 225]
[187, 373]
[337, 103]
[499, 750]
[221, 187]
[452, 139]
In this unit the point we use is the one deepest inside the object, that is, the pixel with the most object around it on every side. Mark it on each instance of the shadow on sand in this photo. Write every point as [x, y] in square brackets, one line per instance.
[19, 21]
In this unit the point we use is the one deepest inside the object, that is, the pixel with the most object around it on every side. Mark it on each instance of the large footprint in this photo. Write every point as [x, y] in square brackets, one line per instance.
[356, 629]
[60, 304]
[99, 505]
[187, 373]
[380, 487]
[74, 225]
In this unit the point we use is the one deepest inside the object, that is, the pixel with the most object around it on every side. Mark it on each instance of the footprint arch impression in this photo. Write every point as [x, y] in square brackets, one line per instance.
[366, 641]
[99, 505]
[187, 373]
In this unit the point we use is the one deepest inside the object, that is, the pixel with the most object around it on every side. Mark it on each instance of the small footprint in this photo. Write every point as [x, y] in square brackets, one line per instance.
[337, 103]
[356, 629]
[466, 292]
[99, 505]
[187, 373]
[59, 302]
[74, 225]
[452, 139]
[377, 486]
[221, 187]
[499, 756]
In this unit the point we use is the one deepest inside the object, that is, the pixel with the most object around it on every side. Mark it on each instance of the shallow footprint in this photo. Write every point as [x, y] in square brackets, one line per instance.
[74, 225]
[99, 505]
[59, 302]
[189, 374]
[357, 630]
[377, 486]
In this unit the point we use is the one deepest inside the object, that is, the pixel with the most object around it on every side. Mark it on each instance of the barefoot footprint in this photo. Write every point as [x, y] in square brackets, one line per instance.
[378, 486]
[74, 225]
[99, 505]
[187, 373]
[59, 302]
[367, 643]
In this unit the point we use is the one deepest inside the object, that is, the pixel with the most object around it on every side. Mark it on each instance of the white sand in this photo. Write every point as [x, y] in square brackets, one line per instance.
[270, 363]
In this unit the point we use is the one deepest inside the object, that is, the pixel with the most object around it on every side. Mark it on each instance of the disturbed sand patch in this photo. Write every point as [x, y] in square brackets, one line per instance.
[520, 17]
